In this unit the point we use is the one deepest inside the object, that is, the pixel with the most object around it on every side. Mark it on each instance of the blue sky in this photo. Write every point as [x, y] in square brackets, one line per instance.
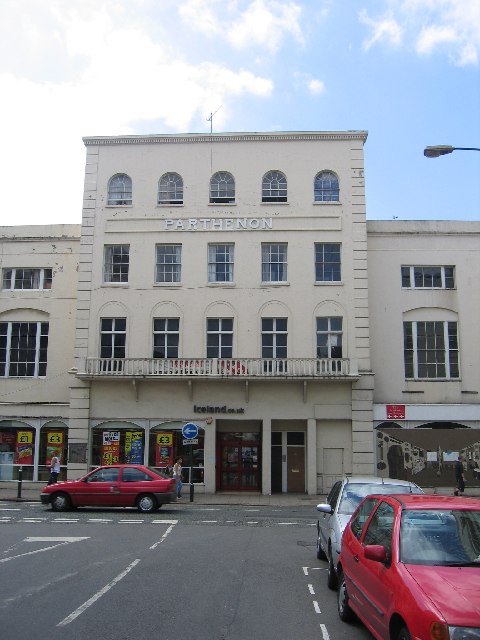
[407, 71]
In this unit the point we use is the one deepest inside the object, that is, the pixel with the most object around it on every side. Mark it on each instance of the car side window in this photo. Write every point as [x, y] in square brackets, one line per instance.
[358, 522]
[134, 475]
[380, 528]
[332, 497]
[104, 475]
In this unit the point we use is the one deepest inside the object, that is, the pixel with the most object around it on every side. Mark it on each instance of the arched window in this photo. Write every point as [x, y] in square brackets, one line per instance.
[274, 187]
[222, 188]
[120, 190]
[326, 187]
[170, 189]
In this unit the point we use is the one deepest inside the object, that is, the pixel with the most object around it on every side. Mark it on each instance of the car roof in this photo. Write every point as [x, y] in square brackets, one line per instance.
[377, 480]
[432, 501]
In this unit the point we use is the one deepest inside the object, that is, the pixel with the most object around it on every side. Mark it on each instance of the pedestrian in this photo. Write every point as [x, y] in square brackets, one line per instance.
[54, 470]
[177, 475]
[459, 476]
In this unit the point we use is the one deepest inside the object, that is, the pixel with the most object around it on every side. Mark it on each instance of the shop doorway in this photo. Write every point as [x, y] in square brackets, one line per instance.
[238, 462]
[288, 462]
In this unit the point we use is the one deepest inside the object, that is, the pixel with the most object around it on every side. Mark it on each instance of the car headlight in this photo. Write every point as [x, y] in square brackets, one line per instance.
[464, 633]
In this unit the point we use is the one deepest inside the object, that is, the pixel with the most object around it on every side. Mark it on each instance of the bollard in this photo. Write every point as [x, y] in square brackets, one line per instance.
[19, 486]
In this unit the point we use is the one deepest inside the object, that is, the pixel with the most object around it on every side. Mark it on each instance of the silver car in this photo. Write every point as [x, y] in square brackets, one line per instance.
[343, 499]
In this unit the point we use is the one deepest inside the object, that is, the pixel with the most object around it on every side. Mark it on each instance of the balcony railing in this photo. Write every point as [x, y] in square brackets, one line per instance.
[215, 368]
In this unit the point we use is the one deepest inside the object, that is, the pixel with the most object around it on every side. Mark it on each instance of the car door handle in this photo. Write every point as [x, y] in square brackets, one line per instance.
[355, 558]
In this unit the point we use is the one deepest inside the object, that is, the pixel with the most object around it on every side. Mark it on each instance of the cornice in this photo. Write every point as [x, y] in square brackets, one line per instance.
[192, 138]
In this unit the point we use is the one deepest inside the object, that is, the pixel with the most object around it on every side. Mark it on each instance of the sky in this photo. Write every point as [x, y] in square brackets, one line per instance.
[407, 71]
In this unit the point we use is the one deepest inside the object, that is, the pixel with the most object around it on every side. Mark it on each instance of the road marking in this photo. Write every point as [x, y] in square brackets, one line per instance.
[98, 595]
[311, 589]
[324, 632]
[131, 521]
[99, 520]
[207, 521]
[287, 523]
[65, 519]
[167, 532]
[316, 607]
[54, 539]
[251, 510]
[252, 522]
[61, 542]
[10, 509]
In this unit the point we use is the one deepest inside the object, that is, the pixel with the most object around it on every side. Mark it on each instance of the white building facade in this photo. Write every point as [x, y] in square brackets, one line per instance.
[222, 280]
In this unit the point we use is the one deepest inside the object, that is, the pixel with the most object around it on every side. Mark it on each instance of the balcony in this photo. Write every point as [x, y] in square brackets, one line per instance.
[216, 368]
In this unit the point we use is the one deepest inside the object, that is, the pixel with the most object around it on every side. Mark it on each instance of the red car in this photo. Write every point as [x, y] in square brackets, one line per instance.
[120, 485]
[409, 567]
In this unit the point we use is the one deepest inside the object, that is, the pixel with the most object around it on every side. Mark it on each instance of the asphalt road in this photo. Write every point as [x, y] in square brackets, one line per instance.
[209, 573]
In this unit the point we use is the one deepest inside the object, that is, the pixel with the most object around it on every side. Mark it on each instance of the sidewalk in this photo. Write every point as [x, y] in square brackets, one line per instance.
[30, 492]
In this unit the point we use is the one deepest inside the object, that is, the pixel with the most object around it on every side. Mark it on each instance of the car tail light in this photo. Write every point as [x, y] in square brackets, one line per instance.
[439, 631]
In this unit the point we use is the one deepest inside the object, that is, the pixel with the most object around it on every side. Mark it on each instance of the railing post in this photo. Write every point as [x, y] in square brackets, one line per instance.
[19, 485]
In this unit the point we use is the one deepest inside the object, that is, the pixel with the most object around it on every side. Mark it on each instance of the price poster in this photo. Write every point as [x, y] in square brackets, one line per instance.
[111, 447]
[164, 449]
[54, 446]
[24, 447]
[133, 447]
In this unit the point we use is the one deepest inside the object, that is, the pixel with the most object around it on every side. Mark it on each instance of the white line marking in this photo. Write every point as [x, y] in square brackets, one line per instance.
[98, 595]
[130, 521]
[305, 570]
[324, 632]
[207, 521]
[316, 607]
[52, 539]
[167, 532]
[10, 509]
[251, 510]
[252, 522]
[99, 520]
[65, 520]
[311, 589]
[287, 522]
[32, 553]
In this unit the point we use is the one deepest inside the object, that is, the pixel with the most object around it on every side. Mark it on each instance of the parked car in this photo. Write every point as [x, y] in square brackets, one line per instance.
[409, 567]
[121, 485]
[343, 499]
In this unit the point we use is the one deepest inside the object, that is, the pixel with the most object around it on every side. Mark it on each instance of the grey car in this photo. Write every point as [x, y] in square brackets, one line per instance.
[343, 499]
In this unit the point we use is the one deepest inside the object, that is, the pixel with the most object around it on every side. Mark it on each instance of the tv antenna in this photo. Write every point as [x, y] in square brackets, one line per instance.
[210, 118]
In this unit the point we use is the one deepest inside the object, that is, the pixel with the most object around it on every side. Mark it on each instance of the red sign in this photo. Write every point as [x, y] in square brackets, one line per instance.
[24, 447]
[111, 447]
[395, 412]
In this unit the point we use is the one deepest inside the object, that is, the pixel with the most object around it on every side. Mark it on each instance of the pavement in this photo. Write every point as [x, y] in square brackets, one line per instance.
[12, 490]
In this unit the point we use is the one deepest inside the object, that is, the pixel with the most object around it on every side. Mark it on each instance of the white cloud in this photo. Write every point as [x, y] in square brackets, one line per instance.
[429, 26]
[316, 87]
[263, 23]
[123, 78]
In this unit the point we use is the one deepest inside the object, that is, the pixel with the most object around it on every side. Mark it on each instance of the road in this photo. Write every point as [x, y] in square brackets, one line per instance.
[209, 573]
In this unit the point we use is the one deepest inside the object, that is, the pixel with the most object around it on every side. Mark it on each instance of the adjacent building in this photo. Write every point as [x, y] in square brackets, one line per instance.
[222, 280]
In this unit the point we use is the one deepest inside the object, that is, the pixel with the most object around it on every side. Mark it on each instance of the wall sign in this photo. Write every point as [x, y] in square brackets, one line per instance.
[217, 224]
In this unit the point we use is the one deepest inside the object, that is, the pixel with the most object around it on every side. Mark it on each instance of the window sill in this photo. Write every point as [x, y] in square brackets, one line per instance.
[273, 204]
[116, 285]
[328, 283]
[222, 204]
[171, 285]
[113, 206]
[163, 205]
[275, 284]
[221, 284]
[335, 203]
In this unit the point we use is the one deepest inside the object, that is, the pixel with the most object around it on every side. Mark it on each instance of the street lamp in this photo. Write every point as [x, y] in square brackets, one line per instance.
[443, 149]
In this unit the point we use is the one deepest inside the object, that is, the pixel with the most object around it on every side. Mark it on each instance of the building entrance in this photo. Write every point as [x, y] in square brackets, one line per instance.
[238, 463]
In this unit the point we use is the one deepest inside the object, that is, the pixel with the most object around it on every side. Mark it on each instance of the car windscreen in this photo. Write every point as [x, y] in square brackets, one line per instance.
[446, 537]
[354, 493]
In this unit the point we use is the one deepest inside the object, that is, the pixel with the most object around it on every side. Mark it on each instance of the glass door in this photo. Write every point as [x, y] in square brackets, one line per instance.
[239, 464]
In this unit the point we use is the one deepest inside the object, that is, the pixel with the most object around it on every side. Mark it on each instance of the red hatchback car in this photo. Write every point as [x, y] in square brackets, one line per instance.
[121, 485]
[409, 567]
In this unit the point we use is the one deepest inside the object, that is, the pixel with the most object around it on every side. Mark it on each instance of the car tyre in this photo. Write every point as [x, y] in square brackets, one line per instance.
[332, 578]
[321, 555]
[60, 502]
[403, 634]
[146, 503]
[344, 611]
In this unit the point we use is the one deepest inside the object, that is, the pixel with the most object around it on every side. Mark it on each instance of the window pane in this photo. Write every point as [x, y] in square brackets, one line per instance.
[168, 268]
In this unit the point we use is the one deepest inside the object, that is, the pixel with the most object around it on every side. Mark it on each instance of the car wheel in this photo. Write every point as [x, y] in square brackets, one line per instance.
[332, 578]
[60, 502]
[346, 614]
[403, 634]
[321, 555]
[146, 503]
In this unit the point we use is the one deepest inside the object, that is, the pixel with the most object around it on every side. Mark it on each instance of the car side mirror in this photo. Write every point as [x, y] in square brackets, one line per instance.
[324, 507]
[375, 552]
